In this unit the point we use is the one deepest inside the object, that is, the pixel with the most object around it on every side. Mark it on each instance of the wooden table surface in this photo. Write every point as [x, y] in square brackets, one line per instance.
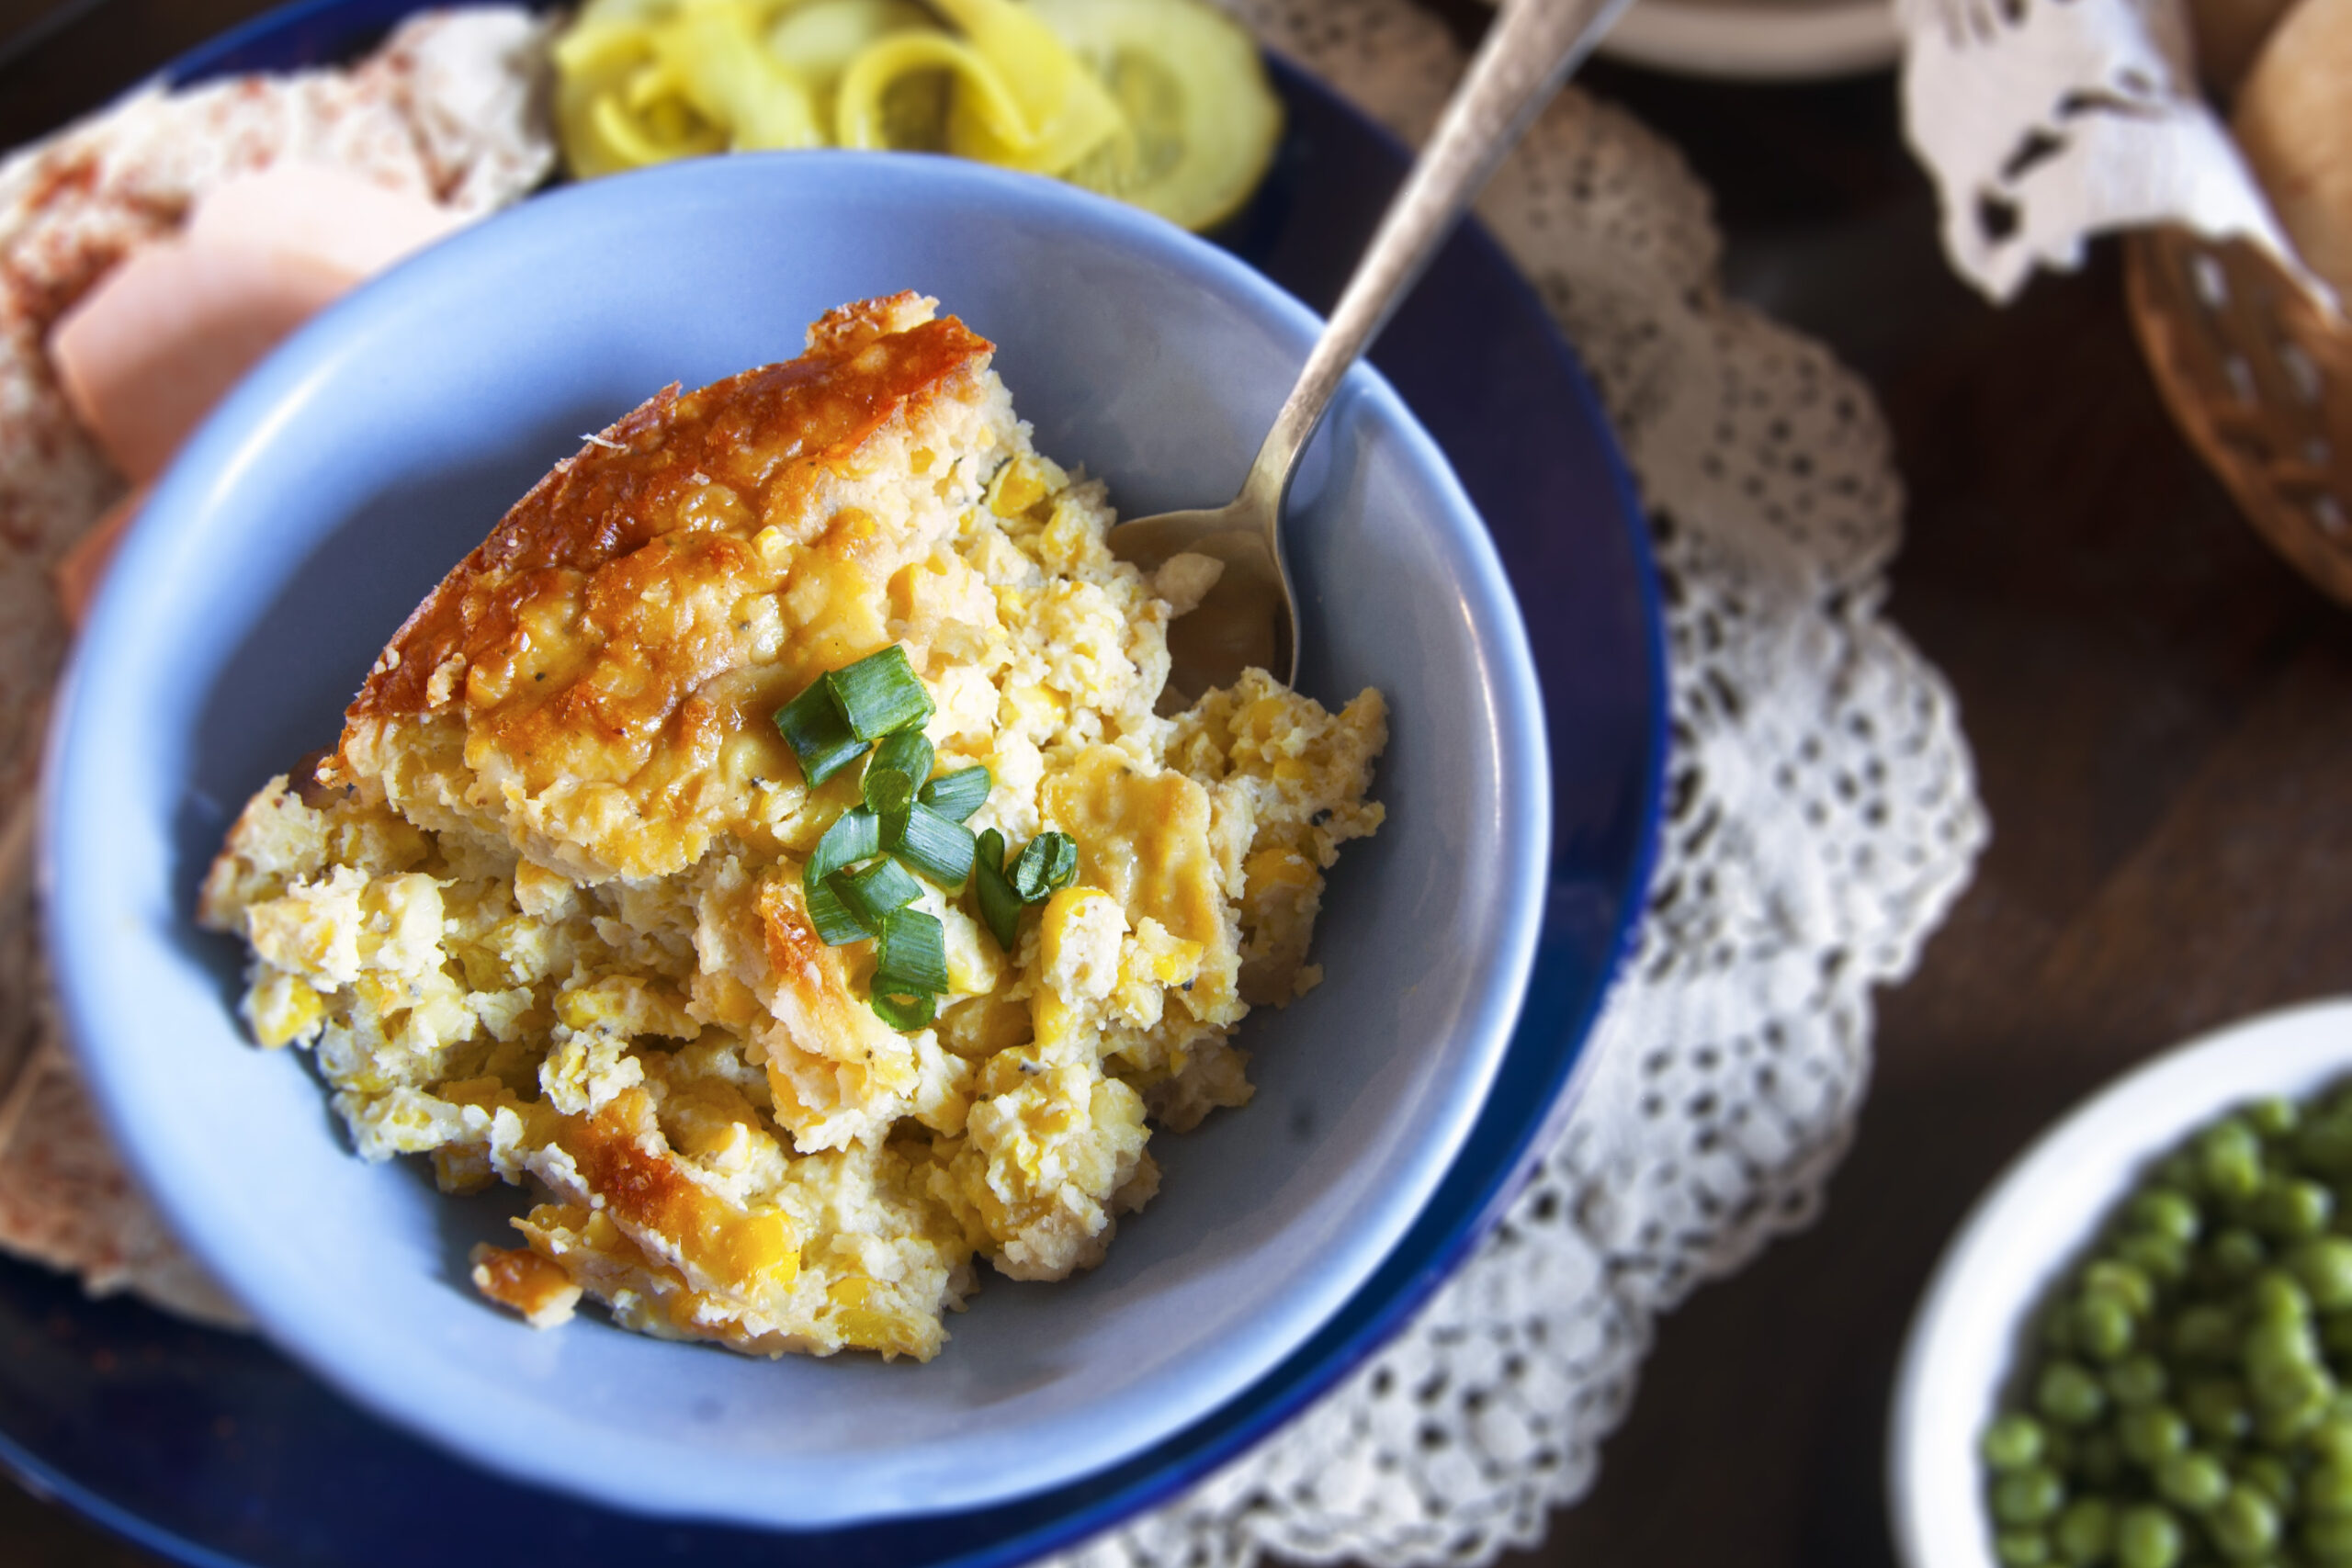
[2155, 704]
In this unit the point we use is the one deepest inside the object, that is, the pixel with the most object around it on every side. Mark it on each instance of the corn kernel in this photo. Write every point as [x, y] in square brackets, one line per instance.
[283, 1007]
[1272, 868]
[885, 1332]
[1018, 486]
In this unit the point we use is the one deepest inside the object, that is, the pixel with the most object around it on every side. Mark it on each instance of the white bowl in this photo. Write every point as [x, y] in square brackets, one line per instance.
[2032, 1227]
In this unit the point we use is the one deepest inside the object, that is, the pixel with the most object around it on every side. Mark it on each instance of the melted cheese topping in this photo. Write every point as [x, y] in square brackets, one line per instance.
[540, 917]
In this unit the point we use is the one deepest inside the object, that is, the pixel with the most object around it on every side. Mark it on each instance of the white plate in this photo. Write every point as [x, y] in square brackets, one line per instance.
[2033, 1226]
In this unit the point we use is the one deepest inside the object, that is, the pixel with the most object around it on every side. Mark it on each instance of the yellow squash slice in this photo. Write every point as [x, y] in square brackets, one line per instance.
[1203, 120]
[1162, 103]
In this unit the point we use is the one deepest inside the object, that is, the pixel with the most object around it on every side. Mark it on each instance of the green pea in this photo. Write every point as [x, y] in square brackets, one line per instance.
[2243, 1525]
[2127, 1282]
[2284, 1373]
[2103, 1327]
[2273, 1346]
[2274, 1118]
[2069, 1395]
[2293, 1207]
[2237, 1253]
[2137, 1380]
[2151, 1433]
[2328, 1537]
[2283, 1427]
[2323, 1267]
[2165, 1212]
[2327, 1489]
[2086, 1531]
[2147, 1536]
[2021, 1549]
[2336, 1333]
[2160, 1256]
[2275, 1297]
[2292, 1399]
[2013, 1441]
[2217, 1407]
[2206, 1332]
[2332, 1438]
[2194, 1480]
[2028, 1496]
[2269, 1474]
[2229, 1158]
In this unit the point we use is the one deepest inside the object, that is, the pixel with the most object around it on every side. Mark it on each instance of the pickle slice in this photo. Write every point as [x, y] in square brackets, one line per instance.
[1203, 120]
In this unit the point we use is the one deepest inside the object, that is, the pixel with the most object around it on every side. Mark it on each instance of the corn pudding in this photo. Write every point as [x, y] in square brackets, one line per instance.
[548, 912]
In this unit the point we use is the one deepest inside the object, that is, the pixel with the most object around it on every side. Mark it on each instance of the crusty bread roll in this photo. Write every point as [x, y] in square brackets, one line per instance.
[2228, 35]
[2294, 124]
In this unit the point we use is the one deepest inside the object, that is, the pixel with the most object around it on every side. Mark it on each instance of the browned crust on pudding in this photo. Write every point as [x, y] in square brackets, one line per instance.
[598, 635]
[765, 434]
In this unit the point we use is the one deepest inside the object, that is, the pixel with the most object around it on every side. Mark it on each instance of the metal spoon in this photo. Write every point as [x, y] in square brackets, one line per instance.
[1249, 616]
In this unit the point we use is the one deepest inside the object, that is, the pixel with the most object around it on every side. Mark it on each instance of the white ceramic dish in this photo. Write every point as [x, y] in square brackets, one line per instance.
[2031, 1227]
[1759, 40]
[339, 483]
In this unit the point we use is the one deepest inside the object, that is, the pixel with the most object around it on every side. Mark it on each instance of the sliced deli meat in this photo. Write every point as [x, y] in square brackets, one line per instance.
[145, 354]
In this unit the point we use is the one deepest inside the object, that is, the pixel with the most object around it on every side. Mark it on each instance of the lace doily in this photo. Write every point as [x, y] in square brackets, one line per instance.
[1822, 815]
[2044, 124]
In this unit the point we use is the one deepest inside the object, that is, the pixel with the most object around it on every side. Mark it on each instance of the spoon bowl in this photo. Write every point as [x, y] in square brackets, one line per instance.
[1249, 614]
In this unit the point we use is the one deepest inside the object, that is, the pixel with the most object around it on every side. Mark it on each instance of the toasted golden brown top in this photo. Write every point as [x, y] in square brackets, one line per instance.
[708, 462]
[634, 612]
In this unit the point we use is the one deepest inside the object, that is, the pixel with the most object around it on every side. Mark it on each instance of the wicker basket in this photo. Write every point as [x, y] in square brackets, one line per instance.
[2259, 377]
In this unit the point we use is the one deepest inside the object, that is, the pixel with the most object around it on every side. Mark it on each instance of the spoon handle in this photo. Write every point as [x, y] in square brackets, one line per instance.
[1530, 47]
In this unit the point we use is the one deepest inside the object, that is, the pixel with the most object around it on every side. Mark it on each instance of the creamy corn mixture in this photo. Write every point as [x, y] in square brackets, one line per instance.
[540, 916]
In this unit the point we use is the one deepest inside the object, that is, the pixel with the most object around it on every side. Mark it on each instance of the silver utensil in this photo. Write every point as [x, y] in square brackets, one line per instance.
[1250, 616]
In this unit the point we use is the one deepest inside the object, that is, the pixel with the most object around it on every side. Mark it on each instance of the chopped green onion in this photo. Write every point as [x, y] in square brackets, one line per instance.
[1047, 863]
[1000, 904]
[905, 1012]
[957, 796]
[912, 955]
[904, 751]
[835, 922]
[879, 694]
[873, 891]
[888, 794]
[855, 836]
[939, 847]
[821, 737]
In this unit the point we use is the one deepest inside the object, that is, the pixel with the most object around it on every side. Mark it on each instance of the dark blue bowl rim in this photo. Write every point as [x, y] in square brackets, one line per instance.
[1502, 1152]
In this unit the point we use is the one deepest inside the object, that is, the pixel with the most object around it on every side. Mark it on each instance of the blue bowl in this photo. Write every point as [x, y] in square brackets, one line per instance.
[333, 488]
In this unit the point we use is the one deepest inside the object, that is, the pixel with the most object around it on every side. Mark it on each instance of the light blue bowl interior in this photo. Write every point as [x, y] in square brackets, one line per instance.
[335, 489]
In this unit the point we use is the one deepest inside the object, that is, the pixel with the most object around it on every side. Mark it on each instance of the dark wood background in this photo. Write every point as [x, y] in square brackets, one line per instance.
[2157, 709]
